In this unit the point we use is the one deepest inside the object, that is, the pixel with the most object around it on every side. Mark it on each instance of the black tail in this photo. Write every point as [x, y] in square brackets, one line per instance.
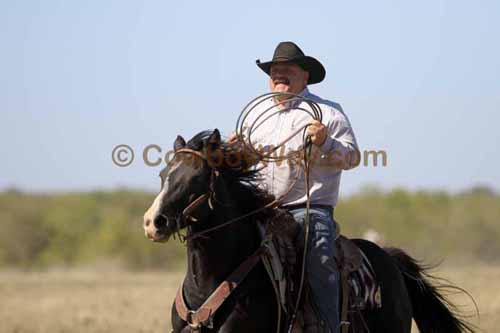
[432, 311]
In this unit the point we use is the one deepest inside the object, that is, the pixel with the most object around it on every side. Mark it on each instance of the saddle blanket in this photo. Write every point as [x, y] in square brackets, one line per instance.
[365, 287]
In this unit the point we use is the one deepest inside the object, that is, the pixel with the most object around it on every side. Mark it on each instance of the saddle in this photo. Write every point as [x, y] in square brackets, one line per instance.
[359, 287]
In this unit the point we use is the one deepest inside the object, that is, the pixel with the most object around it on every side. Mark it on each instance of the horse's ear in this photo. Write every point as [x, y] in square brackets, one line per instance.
[214, 138]
[179, 143]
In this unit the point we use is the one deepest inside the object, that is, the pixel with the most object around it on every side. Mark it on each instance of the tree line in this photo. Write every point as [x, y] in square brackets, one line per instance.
[104, 229]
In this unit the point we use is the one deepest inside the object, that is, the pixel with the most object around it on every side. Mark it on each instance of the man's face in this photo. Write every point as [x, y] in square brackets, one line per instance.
[289, 78]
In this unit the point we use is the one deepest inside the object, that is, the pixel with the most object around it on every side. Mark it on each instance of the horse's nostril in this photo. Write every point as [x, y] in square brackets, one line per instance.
[147, 222]
[160, 222]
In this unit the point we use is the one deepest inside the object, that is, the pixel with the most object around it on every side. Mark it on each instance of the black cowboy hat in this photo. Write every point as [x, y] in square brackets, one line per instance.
[289, 52]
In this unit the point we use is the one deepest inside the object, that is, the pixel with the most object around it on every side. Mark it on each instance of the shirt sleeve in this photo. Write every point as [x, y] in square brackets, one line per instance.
[340, 145]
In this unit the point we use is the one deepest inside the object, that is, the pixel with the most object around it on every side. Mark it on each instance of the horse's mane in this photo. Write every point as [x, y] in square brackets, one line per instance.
[242, 179]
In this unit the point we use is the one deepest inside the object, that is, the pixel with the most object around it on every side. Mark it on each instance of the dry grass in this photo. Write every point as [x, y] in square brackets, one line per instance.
[86, 302]
[140, 302]
[483, 283]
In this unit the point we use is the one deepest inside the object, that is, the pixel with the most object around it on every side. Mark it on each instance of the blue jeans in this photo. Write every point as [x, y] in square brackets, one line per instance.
[322, 271]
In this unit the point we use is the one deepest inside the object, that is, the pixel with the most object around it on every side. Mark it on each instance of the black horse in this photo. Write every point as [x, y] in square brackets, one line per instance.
[212, 256]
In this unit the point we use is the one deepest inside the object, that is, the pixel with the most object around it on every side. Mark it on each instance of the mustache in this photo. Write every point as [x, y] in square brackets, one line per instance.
[283, 80]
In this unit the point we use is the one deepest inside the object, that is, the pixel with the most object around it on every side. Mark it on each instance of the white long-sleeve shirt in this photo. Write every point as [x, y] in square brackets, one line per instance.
[338, 152]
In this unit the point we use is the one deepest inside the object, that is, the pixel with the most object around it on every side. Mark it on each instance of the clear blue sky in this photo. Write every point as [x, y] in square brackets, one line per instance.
[418, 79]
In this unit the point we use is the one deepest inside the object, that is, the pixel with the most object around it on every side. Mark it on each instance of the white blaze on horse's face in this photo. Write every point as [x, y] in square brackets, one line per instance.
[150, 230]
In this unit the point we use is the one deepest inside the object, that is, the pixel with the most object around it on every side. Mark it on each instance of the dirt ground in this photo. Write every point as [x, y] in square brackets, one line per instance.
[91, 301]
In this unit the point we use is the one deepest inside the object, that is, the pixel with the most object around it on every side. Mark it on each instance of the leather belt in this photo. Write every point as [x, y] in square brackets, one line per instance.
[303, 206]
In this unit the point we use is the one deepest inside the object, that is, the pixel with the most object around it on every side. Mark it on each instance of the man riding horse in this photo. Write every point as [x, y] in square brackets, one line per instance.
[334, 149]
[221, 206]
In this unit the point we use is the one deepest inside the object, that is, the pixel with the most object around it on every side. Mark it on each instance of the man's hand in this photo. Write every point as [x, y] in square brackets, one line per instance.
[317, 131]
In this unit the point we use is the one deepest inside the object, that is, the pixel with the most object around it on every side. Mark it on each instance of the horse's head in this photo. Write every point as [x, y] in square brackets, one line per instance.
[186, 182]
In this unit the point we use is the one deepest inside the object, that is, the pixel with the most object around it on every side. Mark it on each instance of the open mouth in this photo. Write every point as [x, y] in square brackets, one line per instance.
[281, 81]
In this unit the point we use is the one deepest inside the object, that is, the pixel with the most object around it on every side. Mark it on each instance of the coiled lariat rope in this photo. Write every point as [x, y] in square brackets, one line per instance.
[292, 102]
